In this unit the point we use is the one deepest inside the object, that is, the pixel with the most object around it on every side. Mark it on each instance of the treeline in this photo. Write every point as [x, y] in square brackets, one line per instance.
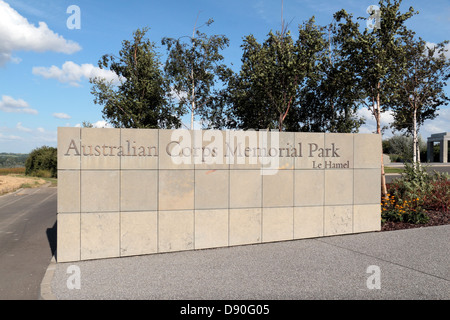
[12, 160]
[313, 78]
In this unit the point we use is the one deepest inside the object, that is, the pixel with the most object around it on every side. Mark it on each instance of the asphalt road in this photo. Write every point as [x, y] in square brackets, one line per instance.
[27, 241]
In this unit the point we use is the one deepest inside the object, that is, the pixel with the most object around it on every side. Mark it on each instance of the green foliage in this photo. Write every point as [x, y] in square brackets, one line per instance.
[42, 162]
[141, 99]
[193, 68]
[414, 193]
[292, 85]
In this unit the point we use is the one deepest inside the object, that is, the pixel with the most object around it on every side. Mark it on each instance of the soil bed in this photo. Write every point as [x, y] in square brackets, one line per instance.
[437, 218]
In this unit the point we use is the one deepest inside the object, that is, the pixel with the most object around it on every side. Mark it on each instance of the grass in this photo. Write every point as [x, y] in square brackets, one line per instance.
[393, 170]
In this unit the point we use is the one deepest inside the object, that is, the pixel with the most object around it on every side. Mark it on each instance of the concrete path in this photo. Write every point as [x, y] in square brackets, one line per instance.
[404, 264]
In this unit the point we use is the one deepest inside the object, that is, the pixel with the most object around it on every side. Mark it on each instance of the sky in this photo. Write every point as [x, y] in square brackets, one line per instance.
[50, 48]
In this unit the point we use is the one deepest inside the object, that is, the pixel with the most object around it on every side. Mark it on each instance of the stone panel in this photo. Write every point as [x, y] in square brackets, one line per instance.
[367, 186]
[68, 191]
[100, 235]
[176, 230]
[339, 150]
[140, 147]
[366, 218]
[310, 145]
[176, 190]
[211, 228]
[309, 187]
[308, 222]
[69, 148]
[68, 237]
[100, 191]
[211, 189]
[338, 187]
[175, 149]
[99, 148]
[139, 190]
[241, 150]
[245, 188]
[138, 233]
[277, 224]
[338, 220]
[278, 189]
[367, 151]
[245, 226]
[210, 149]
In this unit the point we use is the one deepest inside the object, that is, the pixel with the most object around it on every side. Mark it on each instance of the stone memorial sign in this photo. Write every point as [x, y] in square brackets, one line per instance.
[124, 192]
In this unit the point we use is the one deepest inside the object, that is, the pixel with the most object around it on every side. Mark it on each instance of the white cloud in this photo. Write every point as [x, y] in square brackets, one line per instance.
[22, 128]
[102, 124]
[9, 104]
[60, 115]
[439, 124]
[73, 73]
[9, 137]
[371, 125]
[446, 47]
[16, 34]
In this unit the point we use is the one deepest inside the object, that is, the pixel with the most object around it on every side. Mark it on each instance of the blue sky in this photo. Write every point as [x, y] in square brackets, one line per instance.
[45, 66]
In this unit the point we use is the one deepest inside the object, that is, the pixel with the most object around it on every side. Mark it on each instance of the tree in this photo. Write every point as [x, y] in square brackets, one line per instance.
[329, 99]
[140, 100]
[375, 54]
[193, 67]
[420, 90]
[42, 162]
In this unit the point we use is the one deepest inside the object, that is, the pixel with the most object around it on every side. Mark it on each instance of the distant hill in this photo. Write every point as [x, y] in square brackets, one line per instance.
[12, 160]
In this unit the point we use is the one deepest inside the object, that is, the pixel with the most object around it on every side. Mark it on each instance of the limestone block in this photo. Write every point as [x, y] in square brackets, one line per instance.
[309, 146]
[245, 226]
[309, 187]
[68, 191]
[367, 150]
[100, 148]
[338, 220]
[308, 222]
[367, 186]
[211, 228]
[140, 147]
[277, 224]
[278, 189]
[211, 189]
[100, 235]
[69, 148]
[339, 150]
[338, 187]
[245, 188]
[68, 237]
[209, 149]
[138, 233]
[176, 190]
[279, 150]
[176, 230]
[366, 218]
[242, 149]
[100, 191]
[176, 149]
[139, 190]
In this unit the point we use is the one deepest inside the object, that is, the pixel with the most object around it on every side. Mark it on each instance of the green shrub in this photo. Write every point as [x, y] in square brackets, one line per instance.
[42, 162]
[414, 193]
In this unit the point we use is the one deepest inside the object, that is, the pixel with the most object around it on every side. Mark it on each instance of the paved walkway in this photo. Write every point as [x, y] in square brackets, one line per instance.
[403, 264]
